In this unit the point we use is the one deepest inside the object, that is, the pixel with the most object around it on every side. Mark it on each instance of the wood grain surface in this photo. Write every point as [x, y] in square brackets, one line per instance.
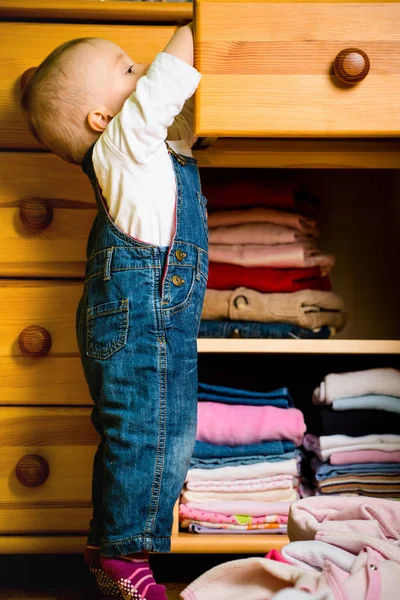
[268, 68]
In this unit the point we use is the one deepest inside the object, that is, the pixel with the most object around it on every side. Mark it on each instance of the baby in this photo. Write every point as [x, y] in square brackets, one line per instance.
[146, 273]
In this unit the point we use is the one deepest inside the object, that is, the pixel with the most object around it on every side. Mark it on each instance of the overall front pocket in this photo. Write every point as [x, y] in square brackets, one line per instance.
[107, 328]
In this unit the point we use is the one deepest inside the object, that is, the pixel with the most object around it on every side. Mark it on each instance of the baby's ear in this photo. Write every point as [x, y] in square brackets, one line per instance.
[26, 77]
[98, 119]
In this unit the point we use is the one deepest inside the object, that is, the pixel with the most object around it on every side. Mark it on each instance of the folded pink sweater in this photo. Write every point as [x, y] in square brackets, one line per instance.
[304, 254]
[237, 424]
[185, 512]
[364, 456]
[344, 515]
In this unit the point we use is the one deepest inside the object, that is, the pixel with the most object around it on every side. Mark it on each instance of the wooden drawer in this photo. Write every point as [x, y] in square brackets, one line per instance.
[63, 442]
[47, 207]
[53, 376]
[268, 68]
[24, 45]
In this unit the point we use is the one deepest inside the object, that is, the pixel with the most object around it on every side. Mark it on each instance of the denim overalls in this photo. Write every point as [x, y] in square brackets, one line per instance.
[137, 325]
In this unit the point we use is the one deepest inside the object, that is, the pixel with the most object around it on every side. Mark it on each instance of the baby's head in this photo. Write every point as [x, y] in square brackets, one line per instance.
[75, 92]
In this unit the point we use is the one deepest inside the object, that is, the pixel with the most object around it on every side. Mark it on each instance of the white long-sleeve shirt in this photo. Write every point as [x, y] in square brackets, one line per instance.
[131, 160]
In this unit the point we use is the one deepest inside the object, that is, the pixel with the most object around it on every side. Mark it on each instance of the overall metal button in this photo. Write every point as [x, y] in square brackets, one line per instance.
[180, 255]
[178, 281]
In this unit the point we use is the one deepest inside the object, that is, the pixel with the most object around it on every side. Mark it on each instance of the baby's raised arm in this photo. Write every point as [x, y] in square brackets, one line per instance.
[139, 130]
[181, 44]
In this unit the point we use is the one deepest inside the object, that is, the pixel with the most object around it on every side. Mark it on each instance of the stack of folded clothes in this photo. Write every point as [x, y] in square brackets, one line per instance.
[244, 470]
[267, 276]
[340, 548]
[354, 434]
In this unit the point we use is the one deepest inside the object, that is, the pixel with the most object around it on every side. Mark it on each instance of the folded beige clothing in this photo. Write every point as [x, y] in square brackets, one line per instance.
[307, 308]
[256, 233]
[263, 215]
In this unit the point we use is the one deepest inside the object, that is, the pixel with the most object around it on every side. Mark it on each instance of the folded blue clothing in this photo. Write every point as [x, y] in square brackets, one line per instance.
[233, 461]
[326, 471]
[218, 393]
[257, 330]
[206, 450]
[369, 402]
[277, 402]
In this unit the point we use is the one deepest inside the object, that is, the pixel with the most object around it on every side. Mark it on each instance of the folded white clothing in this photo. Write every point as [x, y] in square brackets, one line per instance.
[252, 508]
[312, 555]
[280, 495]
[326, 445]
[252, 471]
[293, 594]
[337, 442]
[243, 485]
[358, 383]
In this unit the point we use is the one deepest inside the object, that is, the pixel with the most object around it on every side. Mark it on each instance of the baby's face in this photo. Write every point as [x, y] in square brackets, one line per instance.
[109, 73]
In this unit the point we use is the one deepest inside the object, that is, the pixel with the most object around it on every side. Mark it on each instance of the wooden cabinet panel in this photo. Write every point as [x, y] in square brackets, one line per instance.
[268, 68]
[45, 469]
[31, 187]
[24, 45]
[55, 377]
[57, 251]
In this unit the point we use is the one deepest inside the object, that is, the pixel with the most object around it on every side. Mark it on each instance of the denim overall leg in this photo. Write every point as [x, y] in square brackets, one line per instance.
[137, 325]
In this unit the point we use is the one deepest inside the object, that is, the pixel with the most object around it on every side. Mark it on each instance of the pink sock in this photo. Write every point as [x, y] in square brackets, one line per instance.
[133, 577]
[106, 586]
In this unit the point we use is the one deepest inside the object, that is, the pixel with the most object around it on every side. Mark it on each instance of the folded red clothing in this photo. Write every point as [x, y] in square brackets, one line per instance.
[223, 276]
[227, 188]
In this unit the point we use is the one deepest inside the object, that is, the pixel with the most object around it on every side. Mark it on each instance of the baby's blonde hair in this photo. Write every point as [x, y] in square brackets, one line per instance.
[52, 100]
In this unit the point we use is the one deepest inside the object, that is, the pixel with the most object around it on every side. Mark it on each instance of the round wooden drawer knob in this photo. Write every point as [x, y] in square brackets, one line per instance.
[35, 340]
[32, 470]
[35, 214]
[351, 65]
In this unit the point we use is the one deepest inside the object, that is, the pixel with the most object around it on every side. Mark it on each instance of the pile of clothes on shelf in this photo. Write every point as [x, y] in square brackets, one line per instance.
[244, 470]
[354, 434]
[267, 276]
[340, 548]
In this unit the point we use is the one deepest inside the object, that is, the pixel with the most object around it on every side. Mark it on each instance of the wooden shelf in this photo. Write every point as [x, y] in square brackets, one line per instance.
[301, 154]
[298, 346]
[182, 543]
[96, 10]
[227, 544]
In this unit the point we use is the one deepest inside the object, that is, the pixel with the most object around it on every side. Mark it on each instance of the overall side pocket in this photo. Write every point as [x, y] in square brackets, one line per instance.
[107, 328]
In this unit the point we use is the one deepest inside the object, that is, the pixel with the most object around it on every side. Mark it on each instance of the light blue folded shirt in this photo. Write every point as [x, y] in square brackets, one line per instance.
[372, 402]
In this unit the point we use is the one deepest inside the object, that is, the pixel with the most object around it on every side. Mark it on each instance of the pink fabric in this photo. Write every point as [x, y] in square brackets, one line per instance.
[242, 485]
[346, 523]
[283, 256]
[263, 215]
[253, 578]
[242, 507]
[276, 555]
[344, 515]
[255, 233]
[235, 425]
[364, 456]
[195, 514]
